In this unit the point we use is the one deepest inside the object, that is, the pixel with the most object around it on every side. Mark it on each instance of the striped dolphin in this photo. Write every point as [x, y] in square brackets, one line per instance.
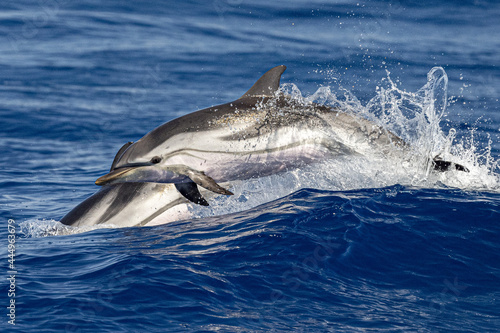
[257, 135]
[118, 205]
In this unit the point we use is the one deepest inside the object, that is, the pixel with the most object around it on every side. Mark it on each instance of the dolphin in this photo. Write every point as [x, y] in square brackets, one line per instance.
[261, 133]
[128, 205]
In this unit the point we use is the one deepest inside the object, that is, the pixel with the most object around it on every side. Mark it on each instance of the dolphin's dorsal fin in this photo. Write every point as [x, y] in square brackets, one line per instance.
[268, 84]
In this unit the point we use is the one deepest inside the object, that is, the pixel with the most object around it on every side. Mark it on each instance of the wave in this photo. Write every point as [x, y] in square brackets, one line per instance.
[393, 256]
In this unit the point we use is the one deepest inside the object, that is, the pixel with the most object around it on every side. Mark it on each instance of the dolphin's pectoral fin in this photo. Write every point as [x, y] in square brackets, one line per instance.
[207, 182]
[190, 192]
[442, 165]
[190, 189]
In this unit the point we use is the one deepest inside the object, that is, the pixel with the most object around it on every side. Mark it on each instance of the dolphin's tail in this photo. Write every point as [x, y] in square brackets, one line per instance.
[441, 165]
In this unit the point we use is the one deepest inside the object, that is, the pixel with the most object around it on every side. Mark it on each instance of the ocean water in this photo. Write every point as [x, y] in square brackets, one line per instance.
[349, 245]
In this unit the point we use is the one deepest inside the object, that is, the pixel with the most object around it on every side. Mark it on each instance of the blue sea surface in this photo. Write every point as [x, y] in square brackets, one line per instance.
[339, 248]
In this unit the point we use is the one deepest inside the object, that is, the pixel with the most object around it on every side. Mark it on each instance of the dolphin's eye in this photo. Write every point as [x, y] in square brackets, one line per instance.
[156, 160]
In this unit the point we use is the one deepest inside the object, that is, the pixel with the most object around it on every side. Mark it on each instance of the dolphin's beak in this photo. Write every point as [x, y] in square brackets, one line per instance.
[113, 175]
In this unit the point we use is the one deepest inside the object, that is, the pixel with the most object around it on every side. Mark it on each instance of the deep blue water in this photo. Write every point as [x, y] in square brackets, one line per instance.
[350, 248]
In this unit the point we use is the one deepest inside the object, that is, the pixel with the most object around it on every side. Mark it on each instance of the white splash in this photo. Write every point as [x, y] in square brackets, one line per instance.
[416, 117]
[43, 228]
